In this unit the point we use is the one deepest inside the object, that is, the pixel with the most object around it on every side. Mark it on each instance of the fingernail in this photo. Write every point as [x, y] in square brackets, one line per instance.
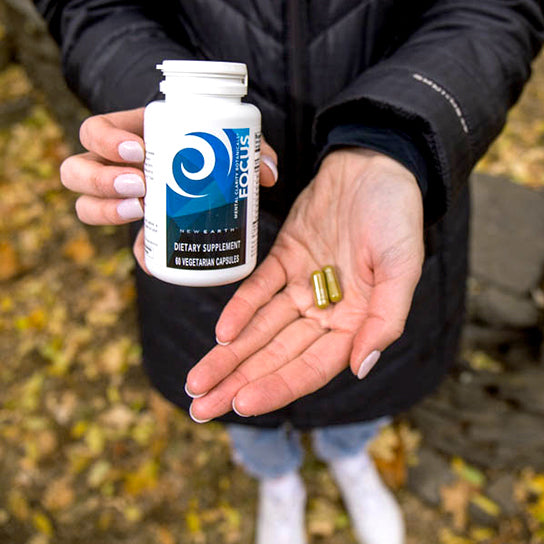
[269, 161]
[221, 343]
[130, 208]
[129, 185]
[196, 420]
[368, 363]
[192, 395]
[131, 151]
[235, 410]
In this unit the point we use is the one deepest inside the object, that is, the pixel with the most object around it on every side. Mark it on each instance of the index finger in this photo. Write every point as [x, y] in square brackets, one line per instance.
[115, 136]
[311, 370]
[218, 363]
[254, 292]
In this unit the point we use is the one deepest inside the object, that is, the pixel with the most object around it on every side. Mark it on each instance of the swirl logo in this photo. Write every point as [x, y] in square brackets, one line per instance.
[202, 167]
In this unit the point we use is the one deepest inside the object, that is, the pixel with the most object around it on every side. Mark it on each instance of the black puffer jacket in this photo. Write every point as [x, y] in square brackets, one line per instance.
[440, 74]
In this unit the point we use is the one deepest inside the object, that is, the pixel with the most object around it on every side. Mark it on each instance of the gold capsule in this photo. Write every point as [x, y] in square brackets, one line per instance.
[333, 286]
[321, 297]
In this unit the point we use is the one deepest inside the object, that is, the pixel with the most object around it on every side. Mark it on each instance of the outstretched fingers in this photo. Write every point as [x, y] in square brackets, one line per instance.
[254, 293]
[287, 345]
[311, 370]
[222, 360]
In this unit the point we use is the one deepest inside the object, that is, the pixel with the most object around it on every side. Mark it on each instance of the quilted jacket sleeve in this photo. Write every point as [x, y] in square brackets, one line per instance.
[108, 44]
[449, 86]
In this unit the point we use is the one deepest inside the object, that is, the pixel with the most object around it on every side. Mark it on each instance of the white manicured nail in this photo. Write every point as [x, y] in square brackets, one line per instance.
[130, 209]
[131, 151]
[196, 420]
[192, 395]
[221, 343]
[129, 185]
[269, 161]
[235, 410]
[368, 363]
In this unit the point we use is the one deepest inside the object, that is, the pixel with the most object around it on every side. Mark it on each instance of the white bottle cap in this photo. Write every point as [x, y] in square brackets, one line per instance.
[203, 77]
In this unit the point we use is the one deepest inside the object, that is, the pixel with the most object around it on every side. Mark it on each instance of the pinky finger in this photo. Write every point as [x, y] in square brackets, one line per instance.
[111, 211]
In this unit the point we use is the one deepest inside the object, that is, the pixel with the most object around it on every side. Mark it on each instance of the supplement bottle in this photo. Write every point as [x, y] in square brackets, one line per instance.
[202, 175]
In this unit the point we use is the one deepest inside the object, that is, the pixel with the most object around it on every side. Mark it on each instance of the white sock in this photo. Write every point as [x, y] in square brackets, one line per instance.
[286, 485]
[281, 511]
[375, 514]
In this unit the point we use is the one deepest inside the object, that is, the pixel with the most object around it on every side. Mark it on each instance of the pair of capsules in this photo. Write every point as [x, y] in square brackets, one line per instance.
[326, 287]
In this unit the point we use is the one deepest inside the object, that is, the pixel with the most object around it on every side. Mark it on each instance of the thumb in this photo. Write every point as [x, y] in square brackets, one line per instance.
[389, 305]
[269, 165]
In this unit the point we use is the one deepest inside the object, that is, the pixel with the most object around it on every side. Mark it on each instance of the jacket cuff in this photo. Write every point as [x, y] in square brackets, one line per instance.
[396, 144]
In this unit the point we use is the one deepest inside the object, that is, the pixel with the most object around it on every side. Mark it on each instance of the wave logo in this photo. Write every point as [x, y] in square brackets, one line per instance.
[203, 165]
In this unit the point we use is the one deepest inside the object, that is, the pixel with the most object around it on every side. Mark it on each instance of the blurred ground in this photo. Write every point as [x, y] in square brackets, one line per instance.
[519, 152]
[89, 453]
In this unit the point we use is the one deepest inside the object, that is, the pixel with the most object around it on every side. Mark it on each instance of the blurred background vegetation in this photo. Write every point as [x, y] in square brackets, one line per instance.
[90, 454]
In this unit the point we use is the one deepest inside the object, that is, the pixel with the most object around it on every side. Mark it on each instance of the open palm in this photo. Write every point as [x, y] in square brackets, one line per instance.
[362, 213]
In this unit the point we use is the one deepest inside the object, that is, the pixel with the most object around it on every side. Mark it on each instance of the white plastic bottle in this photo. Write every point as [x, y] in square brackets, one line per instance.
[202, 175]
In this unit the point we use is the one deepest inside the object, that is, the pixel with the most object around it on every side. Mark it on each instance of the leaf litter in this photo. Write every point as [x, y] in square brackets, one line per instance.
[91, 453]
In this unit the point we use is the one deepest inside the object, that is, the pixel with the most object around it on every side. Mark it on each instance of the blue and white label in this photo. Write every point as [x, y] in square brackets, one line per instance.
[206, 200]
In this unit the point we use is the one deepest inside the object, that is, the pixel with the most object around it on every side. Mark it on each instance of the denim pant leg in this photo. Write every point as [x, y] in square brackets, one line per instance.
[266, 453]
[338, 441]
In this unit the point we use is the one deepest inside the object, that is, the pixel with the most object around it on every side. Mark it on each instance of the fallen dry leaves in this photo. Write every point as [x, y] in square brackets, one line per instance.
[89, 453]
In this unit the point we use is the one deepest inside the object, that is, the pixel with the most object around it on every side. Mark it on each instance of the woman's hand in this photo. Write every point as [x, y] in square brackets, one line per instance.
[110, 175]
[362, 214]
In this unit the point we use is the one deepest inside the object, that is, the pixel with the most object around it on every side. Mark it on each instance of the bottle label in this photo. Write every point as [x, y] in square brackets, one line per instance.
[207, 200]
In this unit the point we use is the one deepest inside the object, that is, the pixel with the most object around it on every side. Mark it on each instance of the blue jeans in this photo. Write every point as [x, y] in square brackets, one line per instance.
[269, 453]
